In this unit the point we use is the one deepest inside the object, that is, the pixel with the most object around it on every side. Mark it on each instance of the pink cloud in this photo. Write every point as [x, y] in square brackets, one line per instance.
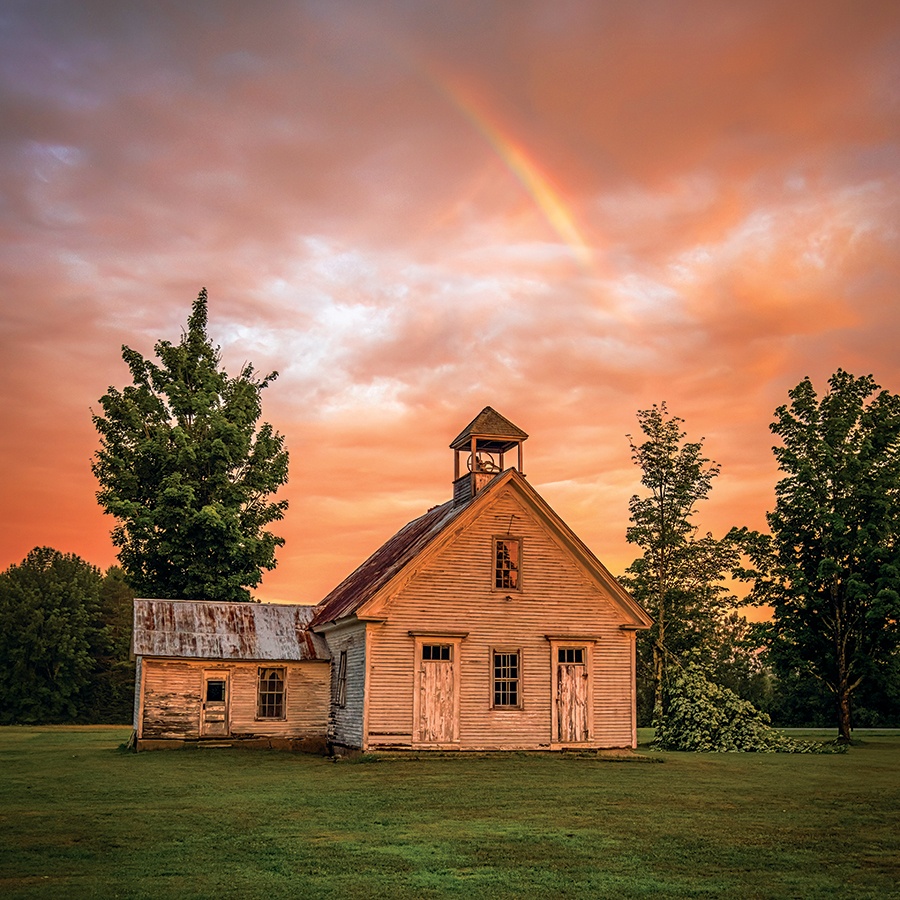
[731, 166]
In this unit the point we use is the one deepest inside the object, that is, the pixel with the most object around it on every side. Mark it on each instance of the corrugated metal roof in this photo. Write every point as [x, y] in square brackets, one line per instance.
[206, 629]
[365, 581]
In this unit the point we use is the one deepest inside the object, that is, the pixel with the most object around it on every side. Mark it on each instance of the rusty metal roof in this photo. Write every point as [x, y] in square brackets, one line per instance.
[364, 582]
[206, 629]
[405, 546]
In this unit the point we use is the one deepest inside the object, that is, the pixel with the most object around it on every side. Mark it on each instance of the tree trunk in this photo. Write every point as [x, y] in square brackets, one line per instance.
[843, 700]
[843, 668]
[659, 662]
[658, 679]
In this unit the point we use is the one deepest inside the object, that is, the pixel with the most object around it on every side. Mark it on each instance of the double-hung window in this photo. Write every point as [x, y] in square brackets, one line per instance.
[270, 698]
[506, 678]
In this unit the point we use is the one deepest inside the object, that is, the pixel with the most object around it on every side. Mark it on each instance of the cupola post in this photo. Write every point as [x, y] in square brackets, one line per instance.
[485, 440]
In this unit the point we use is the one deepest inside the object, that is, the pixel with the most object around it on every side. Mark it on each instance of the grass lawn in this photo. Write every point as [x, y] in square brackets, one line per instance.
[80, 818]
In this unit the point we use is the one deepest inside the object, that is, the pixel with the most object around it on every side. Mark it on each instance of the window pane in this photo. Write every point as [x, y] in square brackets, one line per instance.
[215, 691]
[506, 564]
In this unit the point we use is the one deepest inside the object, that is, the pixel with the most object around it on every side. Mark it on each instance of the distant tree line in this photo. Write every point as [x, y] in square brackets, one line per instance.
[65, 642]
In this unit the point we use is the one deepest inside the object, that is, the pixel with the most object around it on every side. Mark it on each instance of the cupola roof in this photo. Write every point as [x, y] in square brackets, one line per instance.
[495, 433]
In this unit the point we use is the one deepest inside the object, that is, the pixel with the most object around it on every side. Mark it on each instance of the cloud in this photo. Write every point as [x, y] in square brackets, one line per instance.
[730, 170]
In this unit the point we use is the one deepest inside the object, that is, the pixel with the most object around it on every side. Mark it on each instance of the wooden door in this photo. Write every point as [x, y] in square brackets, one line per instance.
[214, 705]
[572, 696]
[437, 694]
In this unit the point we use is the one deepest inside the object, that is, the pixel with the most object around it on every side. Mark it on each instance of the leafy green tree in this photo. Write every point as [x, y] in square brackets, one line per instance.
[735, 658]
[51, 633]
[681, 576]
[188, 474]
[831, 567]
[111, 695]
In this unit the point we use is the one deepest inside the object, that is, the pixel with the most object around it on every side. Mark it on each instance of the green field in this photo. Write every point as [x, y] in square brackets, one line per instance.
[81, 818]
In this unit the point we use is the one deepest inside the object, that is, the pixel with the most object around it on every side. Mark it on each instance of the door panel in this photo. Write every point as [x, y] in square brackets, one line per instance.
[572, 703]
[214, 705]
[437, 702]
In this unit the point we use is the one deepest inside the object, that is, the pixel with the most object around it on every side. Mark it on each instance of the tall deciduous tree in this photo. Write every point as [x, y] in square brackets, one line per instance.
[681, 576]
[188, 472]
[831, 567]
[51, 633]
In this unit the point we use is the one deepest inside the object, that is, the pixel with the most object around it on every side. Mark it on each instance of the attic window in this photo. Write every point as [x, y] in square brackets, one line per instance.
[507, 557]
[270, 699]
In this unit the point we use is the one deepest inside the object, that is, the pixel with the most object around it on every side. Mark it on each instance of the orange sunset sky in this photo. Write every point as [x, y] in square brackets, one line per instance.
[567, 210]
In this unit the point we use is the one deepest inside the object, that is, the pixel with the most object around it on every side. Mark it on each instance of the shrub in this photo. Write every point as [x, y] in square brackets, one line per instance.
[703, 716]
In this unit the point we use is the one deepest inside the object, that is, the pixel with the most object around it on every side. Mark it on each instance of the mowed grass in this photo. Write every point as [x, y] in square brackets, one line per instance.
[80, 818]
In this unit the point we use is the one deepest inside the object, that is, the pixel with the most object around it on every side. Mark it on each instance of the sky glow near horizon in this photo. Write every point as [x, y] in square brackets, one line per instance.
[568, 211]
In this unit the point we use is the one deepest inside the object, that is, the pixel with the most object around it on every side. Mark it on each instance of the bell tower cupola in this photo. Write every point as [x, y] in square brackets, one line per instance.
[479, 452]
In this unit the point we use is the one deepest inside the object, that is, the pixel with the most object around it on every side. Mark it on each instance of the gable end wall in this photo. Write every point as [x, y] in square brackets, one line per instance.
[453, 593]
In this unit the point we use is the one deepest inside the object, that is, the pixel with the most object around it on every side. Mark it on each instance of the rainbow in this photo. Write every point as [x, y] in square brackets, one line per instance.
[523, 167]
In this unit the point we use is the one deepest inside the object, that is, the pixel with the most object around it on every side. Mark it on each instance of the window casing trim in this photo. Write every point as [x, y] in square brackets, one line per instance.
[271, 694]
[506, 573]
[502, 684]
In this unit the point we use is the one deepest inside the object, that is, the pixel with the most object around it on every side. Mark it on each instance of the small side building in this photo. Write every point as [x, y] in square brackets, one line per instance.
[229, 673]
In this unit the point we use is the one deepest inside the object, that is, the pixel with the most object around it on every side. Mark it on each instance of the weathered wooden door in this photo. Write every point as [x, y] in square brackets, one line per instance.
[214, 705]
[571, 696]
[437, 694]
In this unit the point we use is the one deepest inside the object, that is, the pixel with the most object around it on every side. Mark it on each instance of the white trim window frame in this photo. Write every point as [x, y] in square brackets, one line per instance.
[271, 693]
[506, 678]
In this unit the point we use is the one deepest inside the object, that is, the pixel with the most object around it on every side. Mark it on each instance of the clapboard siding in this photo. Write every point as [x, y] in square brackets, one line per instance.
[346, 722]
[305, 698]
[453, 593]
[171, 707]
[172, 692]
